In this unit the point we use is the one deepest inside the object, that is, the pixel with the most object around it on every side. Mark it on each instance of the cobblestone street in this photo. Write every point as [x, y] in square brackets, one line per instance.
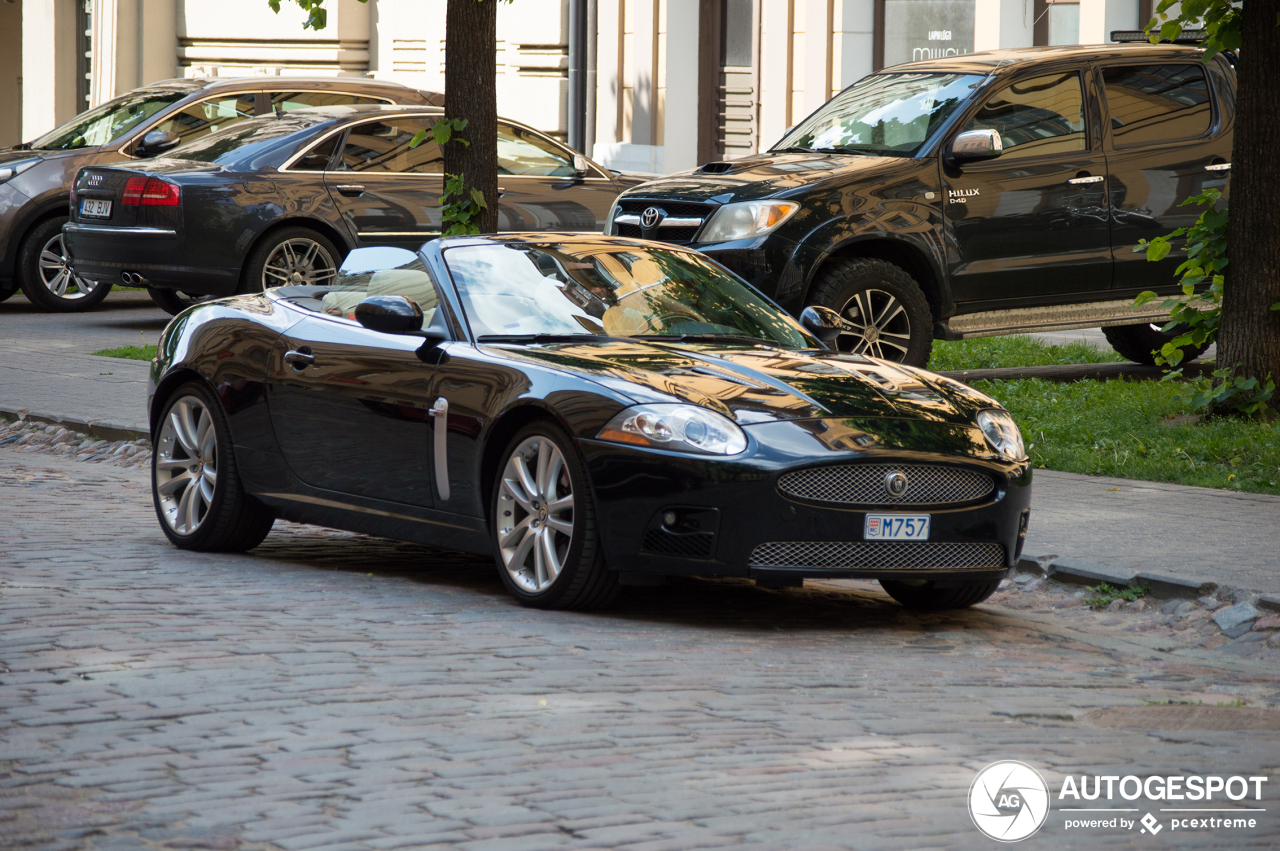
[337, 691]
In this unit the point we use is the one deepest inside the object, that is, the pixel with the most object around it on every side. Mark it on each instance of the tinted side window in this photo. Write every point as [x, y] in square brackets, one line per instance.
[1043, 115]
[521, 152]
[301, 100]
[1156, 103]
[206, 116]
[317, 159]
[383, 146]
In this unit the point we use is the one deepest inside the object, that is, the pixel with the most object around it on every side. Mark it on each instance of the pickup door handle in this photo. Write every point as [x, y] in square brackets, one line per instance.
[299, 359]
[1084, 181]
[352, 189]
[1218, 167]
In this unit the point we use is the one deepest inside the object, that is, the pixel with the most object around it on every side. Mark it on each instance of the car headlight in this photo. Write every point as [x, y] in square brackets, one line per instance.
[8, 171]
[679, 428]
[1002, 433]
[747, 219]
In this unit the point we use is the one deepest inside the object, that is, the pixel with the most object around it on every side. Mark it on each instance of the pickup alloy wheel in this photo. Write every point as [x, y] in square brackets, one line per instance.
[885, 314]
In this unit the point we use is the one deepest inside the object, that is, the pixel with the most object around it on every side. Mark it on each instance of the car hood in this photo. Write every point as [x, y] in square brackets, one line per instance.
[765, 175]
[755, 384]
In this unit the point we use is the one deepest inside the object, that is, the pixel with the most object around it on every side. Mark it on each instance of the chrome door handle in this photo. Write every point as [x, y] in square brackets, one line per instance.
[440, 413]
[1218, 167]
[1082, 181]
[352, 189]
[299, 359]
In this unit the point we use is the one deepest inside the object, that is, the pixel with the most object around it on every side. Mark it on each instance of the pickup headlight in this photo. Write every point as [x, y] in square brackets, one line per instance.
[679, 428]
[747, 219]
[1002, 433]
[8, 171]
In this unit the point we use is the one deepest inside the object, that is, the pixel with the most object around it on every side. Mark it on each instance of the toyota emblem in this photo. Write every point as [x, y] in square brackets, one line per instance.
[896, 484]
[650, 217]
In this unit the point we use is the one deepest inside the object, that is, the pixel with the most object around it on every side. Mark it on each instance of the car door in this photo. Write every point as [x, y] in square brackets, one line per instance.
[353, 408]
[1032, 223]
[1166, 142]
[539, 188]
[387, 192]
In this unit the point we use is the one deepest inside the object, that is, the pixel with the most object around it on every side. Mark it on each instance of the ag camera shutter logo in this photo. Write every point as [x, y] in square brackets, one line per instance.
[1008, 801]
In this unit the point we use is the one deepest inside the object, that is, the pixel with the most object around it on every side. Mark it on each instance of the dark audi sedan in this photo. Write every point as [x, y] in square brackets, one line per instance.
[280, 200]
[592, 412]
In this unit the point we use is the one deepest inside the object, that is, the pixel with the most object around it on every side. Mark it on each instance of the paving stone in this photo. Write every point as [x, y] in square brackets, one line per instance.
[1241, 614]
[1090, 573]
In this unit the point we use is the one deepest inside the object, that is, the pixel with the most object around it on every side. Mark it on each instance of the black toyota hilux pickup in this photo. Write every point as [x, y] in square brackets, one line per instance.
[977, 195]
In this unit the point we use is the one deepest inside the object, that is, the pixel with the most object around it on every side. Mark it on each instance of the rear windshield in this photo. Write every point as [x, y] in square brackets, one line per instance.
[107, 122]
[244, 140]
[885, 114]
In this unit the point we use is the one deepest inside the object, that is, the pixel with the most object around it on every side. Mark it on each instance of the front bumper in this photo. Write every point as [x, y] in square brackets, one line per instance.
[103, 252]
[733, 519]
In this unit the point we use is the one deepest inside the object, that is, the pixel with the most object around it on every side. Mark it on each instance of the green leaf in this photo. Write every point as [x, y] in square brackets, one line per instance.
[478, 197]
[1158, 250]
[418, 138]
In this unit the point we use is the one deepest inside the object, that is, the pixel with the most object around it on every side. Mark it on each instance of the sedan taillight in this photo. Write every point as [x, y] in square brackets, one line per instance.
[151, 192]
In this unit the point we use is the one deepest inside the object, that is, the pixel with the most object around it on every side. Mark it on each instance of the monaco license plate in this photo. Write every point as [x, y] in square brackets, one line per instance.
[94, 208]
[896, 527]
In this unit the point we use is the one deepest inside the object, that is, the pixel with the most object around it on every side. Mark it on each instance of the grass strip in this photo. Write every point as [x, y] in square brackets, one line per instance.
[1139, 430]
[1017, 350]
[129, 352]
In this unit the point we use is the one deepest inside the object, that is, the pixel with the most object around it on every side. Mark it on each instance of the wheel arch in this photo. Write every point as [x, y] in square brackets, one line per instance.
[319, 225]
[500, 434]
[164, 390]
[913, 259]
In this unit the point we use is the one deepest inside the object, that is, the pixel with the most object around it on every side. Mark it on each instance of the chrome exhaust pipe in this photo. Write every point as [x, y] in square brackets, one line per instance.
[126, 278]
[133, 279]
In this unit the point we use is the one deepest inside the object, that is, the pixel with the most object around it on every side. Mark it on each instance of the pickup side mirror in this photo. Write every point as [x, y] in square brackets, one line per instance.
[390, 314]
[822, 322]
[157, 142]
[976, 145]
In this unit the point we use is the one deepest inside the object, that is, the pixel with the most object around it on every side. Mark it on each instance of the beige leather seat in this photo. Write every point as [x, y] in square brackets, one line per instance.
[411, 283]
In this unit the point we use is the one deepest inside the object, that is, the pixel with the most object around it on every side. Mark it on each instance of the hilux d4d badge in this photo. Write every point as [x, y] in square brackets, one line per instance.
[961, 196]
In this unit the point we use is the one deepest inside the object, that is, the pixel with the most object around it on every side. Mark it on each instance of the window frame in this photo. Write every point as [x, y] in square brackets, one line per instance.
[1108, 140]
[1031, 74]
[127, 149]
[342, 143]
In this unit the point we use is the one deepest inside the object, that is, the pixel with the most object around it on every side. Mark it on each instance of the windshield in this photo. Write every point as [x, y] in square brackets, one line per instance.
[885, 114]
[242, 141]
[107, 122]
[591, 288]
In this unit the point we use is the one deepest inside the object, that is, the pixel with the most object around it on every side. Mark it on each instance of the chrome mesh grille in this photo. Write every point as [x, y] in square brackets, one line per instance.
[878, 555]
[864, 484]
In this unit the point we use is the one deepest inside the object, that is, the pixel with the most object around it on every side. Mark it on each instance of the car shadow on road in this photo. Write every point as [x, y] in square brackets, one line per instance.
[715, 604]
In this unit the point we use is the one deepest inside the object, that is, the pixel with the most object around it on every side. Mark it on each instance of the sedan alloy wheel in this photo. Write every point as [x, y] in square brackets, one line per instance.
[298, 262]
[535, 514]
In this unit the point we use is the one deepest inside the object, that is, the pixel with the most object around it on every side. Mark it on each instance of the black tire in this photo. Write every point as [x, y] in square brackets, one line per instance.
[1139, 343]
[5, 295]
[257, 276]
[582, 581]
[231, 520]
[852, 287]
[174, 302]
[46, 276]
[928, 597]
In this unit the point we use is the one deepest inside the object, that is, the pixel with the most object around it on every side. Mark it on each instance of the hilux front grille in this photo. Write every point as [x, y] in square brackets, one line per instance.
[878, 555]
[680, 222]
[867, 484]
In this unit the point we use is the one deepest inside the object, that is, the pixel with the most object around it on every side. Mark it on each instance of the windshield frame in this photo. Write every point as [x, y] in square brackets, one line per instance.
[928, 147]
[177, 96]
[436, 250]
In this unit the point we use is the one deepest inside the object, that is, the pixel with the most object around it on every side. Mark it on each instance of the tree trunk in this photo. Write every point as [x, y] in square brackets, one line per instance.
[1249, 337]
[471, 92]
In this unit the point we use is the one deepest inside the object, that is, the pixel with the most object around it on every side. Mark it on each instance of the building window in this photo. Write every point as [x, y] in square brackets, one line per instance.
[912, 30]
[84, 53]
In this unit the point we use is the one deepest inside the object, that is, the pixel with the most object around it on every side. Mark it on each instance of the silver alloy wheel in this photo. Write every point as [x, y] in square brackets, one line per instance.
[298, 262]
[57, 275]
[186, 465]
[875, 324]
[535, 514]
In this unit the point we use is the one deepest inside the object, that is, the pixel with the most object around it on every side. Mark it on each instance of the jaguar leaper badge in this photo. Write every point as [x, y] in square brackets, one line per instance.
[895, 484]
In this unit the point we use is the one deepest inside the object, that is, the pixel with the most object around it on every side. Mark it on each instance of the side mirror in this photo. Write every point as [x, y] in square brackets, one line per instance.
[157, 142]
[822, 322]
[390, 314]
[976, 145]
[580, 166]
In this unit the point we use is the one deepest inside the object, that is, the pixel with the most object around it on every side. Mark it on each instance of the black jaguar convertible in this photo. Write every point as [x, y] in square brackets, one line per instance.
[594, 412]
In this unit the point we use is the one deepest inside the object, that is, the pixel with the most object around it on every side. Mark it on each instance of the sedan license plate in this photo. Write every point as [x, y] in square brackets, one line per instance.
[95, 209]
[896, 527]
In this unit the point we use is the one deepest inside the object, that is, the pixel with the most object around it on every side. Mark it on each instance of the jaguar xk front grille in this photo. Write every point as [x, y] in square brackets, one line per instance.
[887, 484]
[878, 555]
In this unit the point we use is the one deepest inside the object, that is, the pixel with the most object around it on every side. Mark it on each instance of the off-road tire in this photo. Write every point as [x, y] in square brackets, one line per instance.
[32, 282]
[1139, 343]
[584, 581]
[841, 281]
[927, 597]
[234, 521]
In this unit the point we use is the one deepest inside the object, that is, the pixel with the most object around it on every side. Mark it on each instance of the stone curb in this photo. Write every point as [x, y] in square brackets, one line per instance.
[93, 428]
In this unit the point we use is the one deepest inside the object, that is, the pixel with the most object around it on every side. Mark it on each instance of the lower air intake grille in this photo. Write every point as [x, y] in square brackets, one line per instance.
[865, 484]
[878, 555]
[690, 545]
